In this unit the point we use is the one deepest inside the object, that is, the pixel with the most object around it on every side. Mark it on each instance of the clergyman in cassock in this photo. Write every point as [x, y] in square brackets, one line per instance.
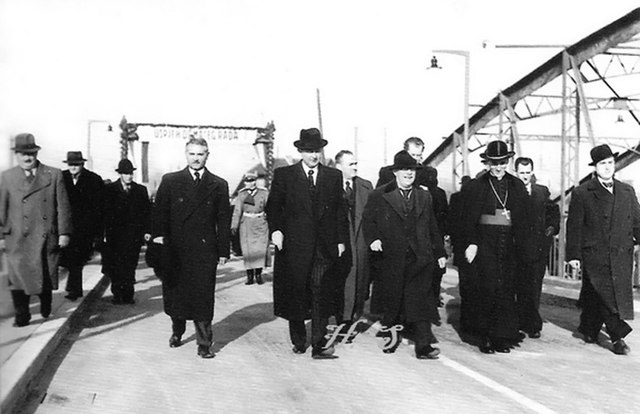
[352, 268]
[250, 221]
[192, 220]
[399, 222]
[603, 221]
[307, 216]
[495, 232]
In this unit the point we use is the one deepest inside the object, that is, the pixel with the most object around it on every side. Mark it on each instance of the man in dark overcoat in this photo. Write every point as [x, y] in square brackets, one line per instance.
[543, 223]
[399, 222]
[307, 217]
[85, 189]
[35, 223]
[467, 276]
[494, 228]
[352, 268]
[603, 221]
[192, 218]
[127, 226]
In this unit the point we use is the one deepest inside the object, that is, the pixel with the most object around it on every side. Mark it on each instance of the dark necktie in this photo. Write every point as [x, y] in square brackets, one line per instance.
[127, 188]
[30, 176]
[197, 175]
[405, 194]
[608, 185]
[348, 191]
[312, 185]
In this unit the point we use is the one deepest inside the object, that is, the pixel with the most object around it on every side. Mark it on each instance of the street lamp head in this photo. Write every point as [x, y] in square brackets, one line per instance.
[434, 63]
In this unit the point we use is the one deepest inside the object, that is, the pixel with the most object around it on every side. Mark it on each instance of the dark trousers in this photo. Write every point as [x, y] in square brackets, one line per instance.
[595, 313]
[528, 290]
[204, 331]
[21, 302]
[74, 281]
[123, 277]
[422, 334]
[297, 330]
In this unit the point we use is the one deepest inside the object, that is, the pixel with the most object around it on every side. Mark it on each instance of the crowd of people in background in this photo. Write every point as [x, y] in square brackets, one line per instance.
[344, 249]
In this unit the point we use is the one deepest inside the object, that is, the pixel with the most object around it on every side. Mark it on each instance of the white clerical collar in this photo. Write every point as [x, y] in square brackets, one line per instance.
[193, 172]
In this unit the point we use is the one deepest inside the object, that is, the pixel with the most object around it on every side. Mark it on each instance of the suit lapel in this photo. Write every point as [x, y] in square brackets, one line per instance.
[420, 201]
[41, 180]
[361, 199]
[394, 199]
[196, 195]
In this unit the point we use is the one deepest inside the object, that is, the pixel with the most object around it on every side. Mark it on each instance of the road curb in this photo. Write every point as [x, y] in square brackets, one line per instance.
[19, 370]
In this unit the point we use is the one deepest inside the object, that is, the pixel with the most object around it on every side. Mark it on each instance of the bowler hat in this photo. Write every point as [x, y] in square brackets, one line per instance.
[25, 142]
[404, 161]
[601, 152]
[497, 151]
[310, 140]
[125, 167]
[74, 158]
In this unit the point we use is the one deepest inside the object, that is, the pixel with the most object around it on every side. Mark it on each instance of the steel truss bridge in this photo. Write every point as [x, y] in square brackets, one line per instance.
[570, 92]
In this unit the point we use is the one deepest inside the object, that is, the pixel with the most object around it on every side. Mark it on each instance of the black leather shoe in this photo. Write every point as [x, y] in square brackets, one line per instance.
[319, 352]
[427, 352]
[175, 341]
[486, 347]
[259, 279]
[620, 347]
[589, 339]
[45, 308]
[72, 296]
[298, 349]
[205, 352]
[20, 324]
[535, 335]
[501, 347]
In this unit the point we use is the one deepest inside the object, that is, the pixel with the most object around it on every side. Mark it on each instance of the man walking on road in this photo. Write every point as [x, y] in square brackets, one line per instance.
[352, 268]
[127, 227]
[307, 217]
[544, 222]
[604, 220]
[192, 218]
[86, 190]
[35, 223]
[399, 222]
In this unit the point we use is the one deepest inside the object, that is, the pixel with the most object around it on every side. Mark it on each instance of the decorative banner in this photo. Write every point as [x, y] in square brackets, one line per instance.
[210, 133]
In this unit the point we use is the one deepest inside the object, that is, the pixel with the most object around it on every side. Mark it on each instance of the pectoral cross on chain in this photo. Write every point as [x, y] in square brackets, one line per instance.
[506, 213]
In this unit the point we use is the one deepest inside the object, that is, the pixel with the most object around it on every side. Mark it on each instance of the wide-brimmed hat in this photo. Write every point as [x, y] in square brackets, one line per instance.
[310, 139]
[125, 167]
[497, 151]
[601, 152]
[25, 142]
[74, 158]
[404, 161]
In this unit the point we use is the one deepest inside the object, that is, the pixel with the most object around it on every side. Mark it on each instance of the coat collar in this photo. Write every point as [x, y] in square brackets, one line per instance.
[395, 199]
[43, 179]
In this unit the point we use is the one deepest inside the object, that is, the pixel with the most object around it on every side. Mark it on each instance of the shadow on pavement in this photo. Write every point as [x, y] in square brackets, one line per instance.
[239, 323]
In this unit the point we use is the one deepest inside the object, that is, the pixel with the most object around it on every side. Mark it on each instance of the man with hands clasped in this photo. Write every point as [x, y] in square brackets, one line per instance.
[400, 224]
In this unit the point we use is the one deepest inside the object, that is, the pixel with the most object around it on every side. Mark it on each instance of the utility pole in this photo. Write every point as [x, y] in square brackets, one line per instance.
[320, 122]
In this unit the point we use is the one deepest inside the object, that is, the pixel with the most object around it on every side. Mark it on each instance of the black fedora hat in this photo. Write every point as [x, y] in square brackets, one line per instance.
[601, 152]
[404, 161]
[125, 167]
[74, 158]
[25, 142]
[497, 151]
[310, 139]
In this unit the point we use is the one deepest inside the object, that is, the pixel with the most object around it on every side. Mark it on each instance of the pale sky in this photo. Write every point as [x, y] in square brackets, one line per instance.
[245, 63]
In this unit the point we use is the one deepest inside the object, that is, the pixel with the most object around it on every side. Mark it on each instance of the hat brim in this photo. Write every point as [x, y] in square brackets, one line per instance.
[500, 158]
[614, 155]
[74, 162]
[298, 144]
[125, 171]
[406, 167]
[29, 150]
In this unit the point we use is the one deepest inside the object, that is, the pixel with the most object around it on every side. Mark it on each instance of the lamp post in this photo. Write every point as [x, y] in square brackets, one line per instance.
[465, 133]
